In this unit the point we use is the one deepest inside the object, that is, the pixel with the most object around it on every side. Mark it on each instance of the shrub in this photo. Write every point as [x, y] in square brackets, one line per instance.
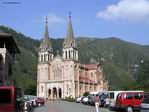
[70, 99]
[85, 93]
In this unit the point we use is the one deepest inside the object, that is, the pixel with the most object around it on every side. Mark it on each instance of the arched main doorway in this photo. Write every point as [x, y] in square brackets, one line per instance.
[60, 93]
[49, 93]
[54, 92]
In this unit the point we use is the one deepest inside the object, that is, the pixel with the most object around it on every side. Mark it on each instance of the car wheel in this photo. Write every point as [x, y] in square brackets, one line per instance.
[129, 109]
[39, 104]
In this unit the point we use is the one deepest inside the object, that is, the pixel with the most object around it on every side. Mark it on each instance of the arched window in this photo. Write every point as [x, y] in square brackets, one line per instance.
[74, 54]
[44, 57]
[41, 57]
[54, 74]
[67, 88]
[66, 54]
[69, 54]
[48, 57]
[41, 88]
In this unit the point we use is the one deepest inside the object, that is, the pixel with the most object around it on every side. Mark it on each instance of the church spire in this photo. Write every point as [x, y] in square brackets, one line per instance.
[70, 50]
[46, 44]
[69, 40]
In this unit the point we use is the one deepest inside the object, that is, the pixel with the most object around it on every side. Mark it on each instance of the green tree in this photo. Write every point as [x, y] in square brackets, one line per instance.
[143, 74]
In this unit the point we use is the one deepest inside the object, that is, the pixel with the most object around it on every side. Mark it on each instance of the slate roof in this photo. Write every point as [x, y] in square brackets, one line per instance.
[9, 41]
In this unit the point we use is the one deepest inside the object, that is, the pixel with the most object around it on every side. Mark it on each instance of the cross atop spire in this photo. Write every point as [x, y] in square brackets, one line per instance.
[46, 20]
[69, 14]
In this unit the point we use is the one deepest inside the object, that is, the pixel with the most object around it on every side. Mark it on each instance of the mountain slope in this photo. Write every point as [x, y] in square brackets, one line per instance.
[118, 57]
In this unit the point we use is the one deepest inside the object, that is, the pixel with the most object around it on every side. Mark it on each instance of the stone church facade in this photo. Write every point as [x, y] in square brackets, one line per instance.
[63, 76]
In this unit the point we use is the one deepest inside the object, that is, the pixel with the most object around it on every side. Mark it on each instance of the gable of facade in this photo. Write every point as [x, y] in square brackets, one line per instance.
[56, 68]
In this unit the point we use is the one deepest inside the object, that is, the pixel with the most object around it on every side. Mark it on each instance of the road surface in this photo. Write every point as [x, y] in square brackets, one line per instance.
[64, 106]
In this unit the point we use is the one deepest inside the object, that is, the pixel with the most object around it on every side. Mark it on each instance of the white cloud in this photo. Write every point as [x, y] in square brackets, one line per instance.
[54, 19]
[130, 10]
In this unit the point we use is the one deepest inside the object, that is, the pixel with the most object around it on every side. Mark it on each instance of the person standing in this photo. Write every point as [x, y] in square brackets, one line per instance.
[97, 103]
[106, 100]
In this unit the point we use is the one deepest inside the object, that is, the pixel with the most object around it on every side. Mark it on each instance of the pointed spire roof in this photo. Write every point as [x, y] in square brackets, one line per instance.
[46, 44]
[69, 40]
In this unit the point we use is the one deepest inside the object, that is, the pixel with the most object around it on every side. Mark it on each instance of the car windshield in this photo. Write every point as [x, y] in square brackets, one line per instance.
[118, 96]
[5, 96]
[102, 96]
[30, 97]
[111, 95]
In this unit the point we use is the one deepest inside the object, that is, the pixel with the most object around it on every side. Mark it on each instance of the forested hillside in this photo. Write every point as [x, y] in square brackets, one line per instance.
[121, 60]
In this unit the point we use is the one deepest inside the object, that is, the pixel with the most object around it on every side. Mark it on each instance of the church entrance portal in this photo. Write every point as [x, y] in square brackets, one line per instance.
[54, 92]
[49, 93]
[60, 93]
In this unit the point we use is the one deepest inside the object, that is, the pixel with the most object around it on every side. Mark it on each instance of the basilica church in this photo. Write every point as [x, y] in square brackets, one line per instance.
[62, 76]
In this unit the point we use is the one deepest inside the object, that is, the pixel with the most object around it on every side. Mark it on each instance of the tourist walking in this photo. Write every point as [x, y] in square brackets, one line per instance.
[97, 103]
[106, 100]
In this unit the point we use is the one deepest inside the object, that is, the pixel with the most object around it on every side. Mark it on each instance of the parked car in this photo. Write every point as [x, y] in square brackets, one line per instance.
[91, 97]
[145, 105]
[78, 99]
[27, 105]
[31, 99]
[85, 100]
[91, 100]
[40, 101]
[82, 99]
[129, 100]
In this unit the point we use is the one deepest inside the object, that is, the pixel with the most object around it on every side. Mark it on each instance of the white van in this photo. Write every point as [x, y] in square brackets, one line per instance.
[112, 99]
[95, 93]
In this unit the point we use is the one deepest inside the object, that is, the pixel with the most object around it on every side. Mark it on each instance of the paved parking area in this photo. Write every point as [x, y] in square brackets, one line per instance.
[64, 106]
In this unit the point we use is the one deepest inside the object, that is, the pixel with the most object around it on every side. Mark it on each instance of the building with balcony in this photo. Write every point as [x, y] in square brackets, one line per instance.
[8, 49]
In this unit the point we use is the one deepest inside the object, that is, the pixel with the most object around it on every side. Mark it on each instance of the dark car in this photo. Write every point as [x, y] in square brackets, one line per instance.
[27, 105]
[40, 101]
[102, 98]
[145, 105]
[91, 100]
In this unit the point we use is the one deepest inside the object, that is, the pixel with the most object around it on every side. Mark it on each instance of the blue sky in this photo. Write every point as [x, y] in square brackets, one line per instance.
[124, 19]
